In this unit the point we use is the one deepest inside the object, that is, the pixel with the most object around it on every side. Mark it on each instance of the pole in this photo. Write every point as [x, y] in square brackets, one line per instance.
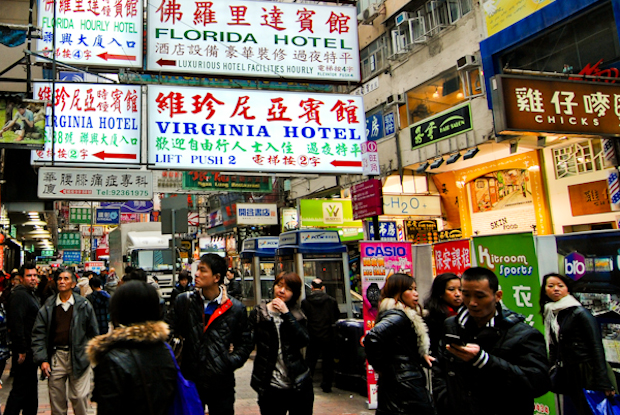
[174, 247]
[90, 254]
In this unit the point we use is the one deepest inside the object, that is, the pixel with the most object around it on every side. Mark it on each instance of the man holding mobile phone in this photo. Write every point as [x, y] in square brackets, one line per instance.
[492, 362]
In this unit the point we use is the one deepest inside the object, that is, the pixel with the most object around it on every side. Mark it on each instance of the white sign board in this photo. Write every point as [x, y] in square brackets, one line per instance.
[253, 38]
[257, 214]
[85, 230]
[370, 159]
[411, 205]
[94, 184]
[93, 33]
[228, 130]
[93, 123]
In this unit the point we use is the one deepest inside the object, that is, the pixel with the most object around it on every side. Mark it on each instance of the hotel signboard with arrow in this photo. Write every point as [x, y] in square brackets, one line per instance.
[191, 128]
[93, 124]
[94, 184]
[93, 33]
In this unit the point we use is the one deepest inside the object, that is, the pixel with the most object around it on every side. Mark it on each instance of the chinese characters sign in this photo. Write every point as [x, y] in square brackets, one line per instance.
[93, 123]
[257, 38]
[69, 240]
[387, 231]
[530, 105]
[367, 199]
[452, 257]
[257, 214]
[94, 184]
[454, 121]
[242, 130]
[79, 215]
[374, 126]
[422, 231]
[589, 198]
[93, 32]
[108, 216]
[213, 181]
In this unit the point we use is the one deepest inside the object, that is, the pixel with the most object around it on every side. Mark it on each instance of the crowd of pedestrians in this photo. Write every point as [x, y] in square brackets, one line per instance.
[466, 353]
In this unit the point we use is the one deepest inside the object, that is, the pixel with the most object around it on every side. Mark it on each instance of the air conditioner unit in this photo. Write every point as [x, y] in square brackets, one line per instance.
[396, 99]
[370, 14]
[466, 62]
[401, 18]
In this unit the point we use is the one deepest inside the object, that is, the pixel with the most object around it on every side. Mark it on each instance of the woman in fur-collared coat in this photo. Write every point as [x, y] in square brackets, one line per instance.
[398, 349]
[134, 370]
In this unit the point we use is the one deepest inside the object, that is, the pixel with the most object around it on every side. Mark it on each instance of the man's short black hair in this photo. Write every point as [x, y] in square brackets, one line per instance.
[94, 282]
[317, 283]
[27, 265]
[217, 265]
[480, 274]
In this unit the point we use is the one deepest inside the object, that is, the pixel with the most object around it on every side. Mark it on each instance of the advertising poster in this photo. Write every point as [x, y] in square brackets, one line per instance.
[502, 13]
[513, 259]
[379, 260]
[21, 123]
[454, 257]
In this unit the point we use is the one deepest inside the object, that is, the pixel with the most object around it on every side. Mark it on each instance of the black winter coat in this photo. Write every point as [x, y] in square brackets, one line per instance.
[206, 358]
[294, 337]
[392, 350]
[22, 310]
[581, 350]
[322, 313]
[511, 370]
[132, 365]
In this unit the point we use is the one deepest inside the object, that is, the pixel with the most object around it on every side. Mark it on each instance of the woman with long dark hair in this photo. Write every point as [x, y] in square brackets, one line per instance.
[134, 370]
[280, 375]
[444, 301]
[574, 344]
[397, 347]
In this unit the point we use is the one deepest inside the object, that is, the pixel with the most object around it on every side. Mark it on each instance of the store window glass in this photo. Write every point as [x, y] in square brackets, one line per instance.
[587, 39]
[434, 96]
[579, 158]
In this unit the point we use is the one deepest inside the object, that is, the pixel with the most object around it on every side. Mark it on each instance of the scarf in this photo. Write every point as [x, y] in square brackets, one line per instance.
[417, 322]
[552, 310]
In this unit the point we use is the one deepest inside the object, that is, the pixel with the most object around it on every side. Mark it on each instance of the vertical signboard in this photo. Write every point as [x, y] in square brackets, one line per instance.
[93, 123]
[241, 130]
[513, 259]
[379, 260]
[257, 38]
[93, 33]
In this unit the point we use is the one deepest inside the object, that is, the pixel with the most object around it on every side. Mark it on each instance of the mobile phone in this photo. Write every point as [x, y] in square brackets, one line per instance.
[454, 339]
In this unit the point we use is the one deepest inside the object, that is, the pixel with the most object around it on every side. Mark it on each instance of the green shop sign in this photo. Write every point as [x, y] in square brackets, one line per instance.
[444, 125]
[327, 213]
[69, 240]
[204, 180]
[79, 215]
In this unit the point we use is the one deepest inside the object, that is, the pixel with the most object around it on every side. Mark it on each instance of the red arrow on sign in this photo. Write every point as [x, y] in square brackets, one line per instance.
[344, 163]
[163, 62]
[103, 155]
[105, 56]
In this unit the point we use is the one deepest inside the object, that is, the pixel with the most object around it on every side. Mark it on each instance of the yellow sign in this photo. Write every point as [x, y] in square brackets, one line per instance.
[502, 13]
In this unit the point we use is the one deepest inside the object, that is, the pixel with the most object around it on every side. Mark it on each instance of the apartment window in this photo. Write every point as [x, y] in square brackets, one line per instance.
[434, 96]
[579, 158]
[472, 82]
[373, 57]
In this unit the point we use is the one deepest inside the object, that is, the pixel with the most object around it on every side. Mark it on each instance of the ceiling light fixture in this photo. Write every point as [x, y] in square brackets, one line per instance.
[436, 93]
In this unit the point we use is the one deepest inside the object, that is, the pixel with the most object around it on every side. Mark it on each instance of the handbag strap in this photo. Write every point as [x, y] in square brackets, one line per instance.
[146, 389]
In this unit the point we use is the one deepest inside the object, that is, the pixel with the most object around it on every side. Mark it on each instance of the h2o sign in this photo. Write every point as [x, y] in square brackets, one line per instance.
[575, 265]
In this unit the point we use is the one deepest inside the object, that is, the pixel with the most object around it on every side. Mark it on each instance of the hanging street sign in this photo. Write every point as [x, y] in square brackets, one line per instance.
[94, 184]
[256, 38]
[93, 123]
[108, 216]
[79, 215]
[214, 181]
[243, 130]
[69, 240]
[93, 33]
[446, 124]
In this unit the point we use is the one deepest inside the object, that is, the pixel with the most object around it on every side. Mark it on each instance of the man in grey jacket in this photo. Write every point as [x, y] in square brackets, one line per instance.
[63, 327]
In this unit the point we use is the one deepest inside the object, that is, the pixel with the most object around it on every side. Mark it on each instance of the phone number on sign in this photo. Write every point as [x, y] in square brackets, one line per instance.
[113, 192]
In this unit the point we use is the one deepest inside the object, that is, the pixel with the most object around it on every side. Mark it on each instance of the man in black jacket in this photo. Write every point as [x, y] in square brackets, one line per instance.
[322, 312]
[217, 337]
[22, 311]
[491, 362]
